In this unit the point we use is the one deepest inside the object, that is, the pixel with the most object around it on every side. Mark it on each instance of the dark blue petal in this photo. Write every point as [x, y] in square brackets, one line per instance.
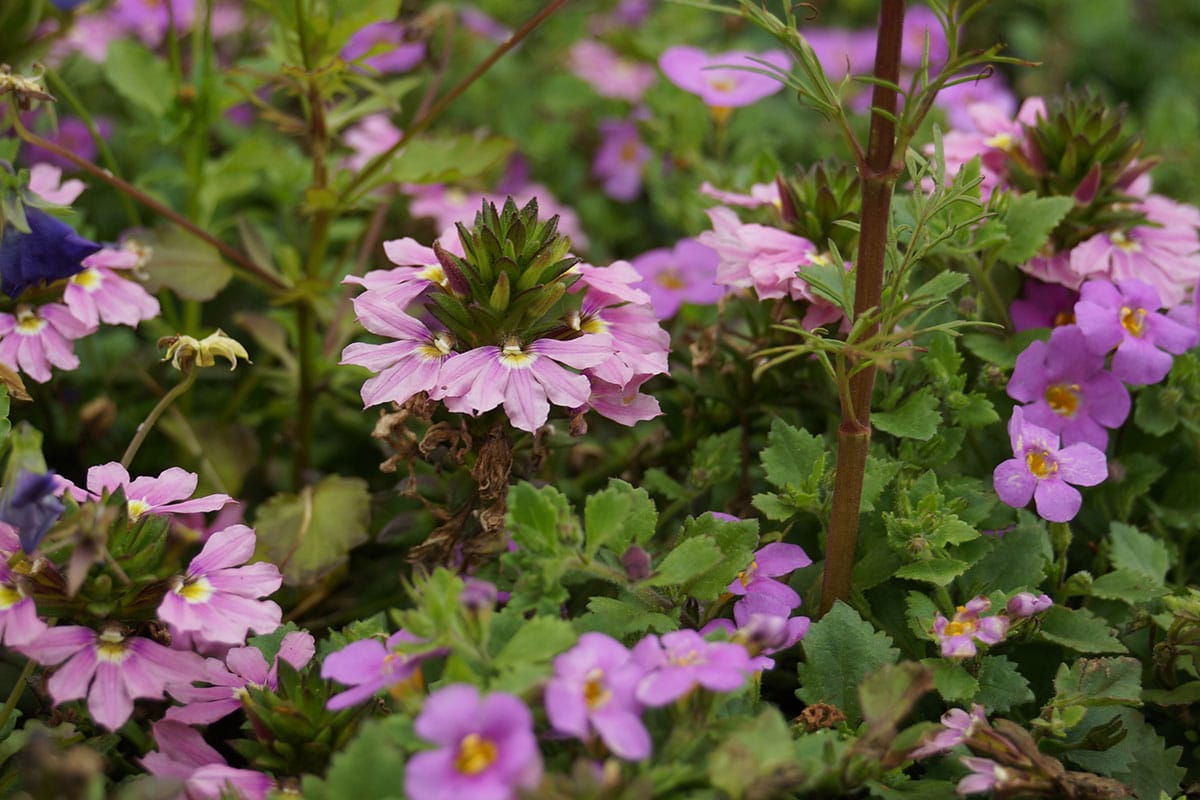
[51, 251]
[31, 507]
[66, 5]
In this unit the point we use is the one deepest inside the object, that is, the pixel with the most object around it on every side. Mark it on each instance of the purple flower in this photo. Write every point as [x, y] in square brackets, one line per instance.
[842, 52]
[724, 80]
[1043, 305]
[227, 680]
[374, 135]
[923, 29]
[109, 669]
[370, 665]
[956, 100]
[32, 506]
[619, 159]
[685, 273]
[1126, 316]
[959, 634]
[593, 690]
[763, 633]
[639, 345]
[217, 598]
[1041, 471]
[682, 660]
[72, 133]
[384, 47]
[37, 338]
[49, 251]
[166, 494]
[610, 74]
[478, 596]
[411, 364]
[1025, 604]
[1068, 390]
[183, 755]
[756, 580]
[985, 774]
[957, 726]
[486, 751]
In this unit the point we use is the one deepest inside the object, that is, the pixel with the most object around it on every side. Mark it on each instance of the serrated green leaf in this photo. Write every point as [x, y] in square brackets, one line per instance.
[1127, 586]
[1099, 682]
[1141, 759]
[879, 474]
[617, 517]
[975, 411]
[774, 507]
[839, 651]
[938, 571]
[916, 418]
[539, 639]
[736, 541]
[1028, 220]
[1153, 414]
[1183, 695]
[310, 533]
[447, 159]
[539, 519]
[792, 456]
[1139, 552]
[619, 618]
[1079, 630]
[1018, 560]
[1001, 685]
[1002, 351]
[940, 286]
[691, 559]
[751, 753]
[952, 680]
[371, 767]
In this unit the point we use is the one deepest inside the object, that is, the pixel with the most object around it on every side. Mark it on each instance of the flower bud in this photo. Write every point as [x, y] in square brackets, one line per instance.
[478, 596]
[636, 562]
[1025, 604]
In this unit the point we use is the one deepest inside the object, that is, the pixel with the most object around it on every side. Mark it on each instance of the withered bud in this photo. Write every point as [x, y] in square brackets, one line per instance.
[187, 351]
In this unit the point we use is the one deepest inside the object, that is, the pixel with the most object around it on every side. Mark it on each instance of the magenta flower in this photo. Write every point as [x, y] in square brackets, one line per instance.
[45, 180]
[758, 256]
[682, 660]
[1026, 604]
[1125, 316]
[98, 293]
[923, 35]
[1043, 305]
[638, 344]
[625, 404]
[1067, 389]
[610, 74]
[763, 631]
[1041, 471]
[985, 775]
[19, 622]
[38, 338]
[166, 494]
[757, 580]
[957, 726]
[619, 159]
[227, 680]
[217, 598]
[411, 364]
[685, 273]
[525, 378]
[369, 665]
[724, 80]
[384, 47]
[110, 669]
[593, 690]
[419, 270]
[957, 100]
[183, 755]
[486, 748]
[958, 635]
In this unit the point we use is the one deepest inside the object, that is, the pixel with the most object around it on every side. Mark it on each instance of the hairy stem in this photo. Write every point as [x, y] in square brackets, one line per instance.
[878, 176]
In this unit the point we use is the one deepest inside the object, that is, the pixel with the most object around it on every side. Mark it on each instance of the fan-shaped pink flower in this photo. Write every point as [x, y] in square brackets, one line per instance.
[98, 293]
[37, 338]
[166, 494]
[411, 364]
[183, 755]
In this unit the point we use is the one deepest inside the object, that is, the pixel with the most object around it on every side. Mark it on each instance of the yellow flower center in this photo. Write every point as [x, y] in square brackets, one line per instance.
[28, 323]
[1124, 242]
[818, 259]
[1064, 318]
[439, 348]
[670, 278]
[721, 114]
[686, 659]
[513, 357]
[1063, 399]
[9, 596]
[475, 754]
[594, 693]
[1041, 464]
[195, 590]
[136, 509]
[959, 627]
[110, 646]
[435, 274]
[1001, 141]
[747, 575]
[629, 151]
[89, 279]
[1133, 320]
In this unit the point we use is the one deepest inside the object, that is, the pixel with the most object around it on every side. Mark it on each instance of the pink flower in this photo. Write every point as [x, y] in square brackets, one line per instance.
[183, 755]
[758, 256]
[373, 135]
[957, 726]
[38, 338]
[639, 345]
[486, 748]
[985, 775]
[525, 378]
[1040, 471]
[842, 52]
[1026, 604]
[418, 271]
[1125, 316]
[411, 364]
[958, 635]
[619, 160]
[110, 669]
[682, 660]
[610, 74]
[45, 180]
[757, 582]
[761, 194]
[384, 47]
[369, 665]
[217, 598]
[228, 679]
[98, 293]
[683, 274]
[1043, 305]
[724, 80]
[19, 622]
[624, 404]
[166, 494]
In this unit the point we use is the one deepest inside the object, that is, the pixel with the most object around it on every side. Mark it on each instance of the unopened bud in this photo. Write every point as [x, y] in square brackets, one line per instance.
[636, 562]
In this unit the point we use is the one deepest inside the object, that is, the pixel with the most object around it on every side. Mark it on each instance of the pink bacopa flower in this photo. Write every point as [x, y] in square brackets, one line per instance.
[685, 273]
[985, 775]
[757, 580]
[724, 80]
[384, 47]
[1043, 305]
[45, 180]
[1125, 316]
[1039, 470]
[166, 494]
[923, 37]
[109, 668]
[34, 339]
[619, 159]
[1067, 389]
[1026, 604]
[991, 89]
[369, 665]
[227, 680]
[764, 633]
[98, 292]
[957, 727]
[410, 364]
[959, 634]
[183, 755]
[486, 748]
[525, 378]
[593, 690]
[217, 598]
[19, 622]
[682, 660]
[610, 74]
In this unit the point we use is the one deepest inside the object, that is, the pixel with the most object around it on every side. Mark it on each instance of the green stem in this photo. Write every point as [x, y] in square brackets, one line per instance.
[14, 696]
[878, 175]
[143, 430]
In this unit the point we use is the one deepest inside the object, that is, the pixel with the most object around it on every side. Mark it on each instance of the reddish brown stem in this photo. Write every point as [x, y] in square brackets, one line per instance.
[878, 174]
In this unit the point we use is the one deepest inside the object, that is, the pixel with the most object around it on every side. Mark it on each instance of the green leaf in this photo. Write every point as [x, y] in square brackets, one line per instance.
[447, 159]
[1141, 759]
[618, 516]
[310, 533]
[1183, 695]
[736, 541]
[1001, 686]
[940, 286]
[1139, 552]
[1029, 219]
[1002, 351]
[691, 559]
[952, 680]
[1079, 630]
[879, 474]
[751, 753]
[793, 456]
[190, 268]
[623, 617]
[974, 410]
[371, 767]
[539, 639]
[539, 519]
[1127, 586]
[1018, 560]
[773, 507]
[138, 76]
[888, 694]
[916, 418]
[938, 571]
[1153, 413]
[839, 651]
[1099, 682]
[717, 460]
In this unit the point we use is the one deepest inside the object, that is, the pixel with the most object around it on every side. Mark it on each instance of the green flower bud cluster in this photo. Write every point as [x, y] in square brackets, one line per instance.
[815, 201]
